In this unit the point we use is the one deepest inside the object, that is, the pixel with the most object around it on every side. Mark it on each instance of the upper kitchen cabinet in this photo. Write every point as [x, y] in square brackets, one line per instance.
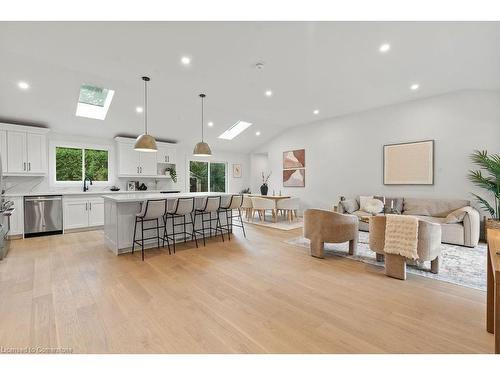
[132, 163]
[23, 149]
[166, 153]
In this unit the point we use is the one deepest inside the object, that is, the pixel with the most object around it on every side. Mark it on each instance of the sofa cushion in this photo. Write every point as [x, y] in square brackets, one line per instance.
[350, 205]
[432, 207]
[456, 216]
[450, 233]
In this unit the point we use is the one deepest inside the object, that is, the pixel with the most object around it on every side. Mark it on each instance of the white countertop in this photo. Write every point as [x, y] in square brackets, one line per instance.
[80, 192]
[138, 197]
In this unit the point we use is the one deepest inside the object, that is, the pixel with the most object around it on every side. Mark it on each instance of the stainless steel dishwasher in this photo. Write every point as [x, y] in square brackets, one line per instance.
[43, 215]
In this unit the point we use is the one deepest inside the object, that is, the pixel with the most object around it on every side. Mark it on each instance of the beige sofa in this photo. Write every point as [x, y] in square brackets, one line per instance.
[465, 232]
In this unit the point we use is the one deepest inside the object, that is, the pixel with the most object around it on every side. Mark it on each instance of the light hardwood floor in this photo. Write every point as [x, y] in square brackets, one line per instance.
[255, 295]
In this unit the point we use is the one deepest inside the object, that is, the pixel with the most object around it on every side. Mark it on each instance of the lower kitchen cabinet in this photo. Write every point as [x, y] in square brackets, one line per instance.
[17, 218]
[83, 212]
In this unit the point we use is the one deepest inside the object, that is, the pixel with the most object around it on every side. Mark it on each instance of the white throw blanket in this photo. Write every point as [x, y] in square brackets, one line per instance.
[401, 235]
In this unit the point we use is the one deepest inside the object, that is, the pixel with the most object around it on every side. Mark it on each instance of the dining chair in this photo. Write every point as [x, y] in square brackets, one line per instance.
[261, 205]
[289, 207]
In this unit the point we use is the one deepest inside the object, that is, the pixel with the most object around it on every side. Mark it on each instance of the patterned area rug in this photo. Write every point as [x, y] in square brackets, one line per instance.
[458, 265]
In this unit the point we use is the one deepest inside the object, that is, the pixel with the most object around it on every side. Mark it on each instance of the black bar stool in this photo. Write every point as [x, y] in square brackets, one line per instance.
[182, 208]
[152, 210]
[210, 205]
[234, 203]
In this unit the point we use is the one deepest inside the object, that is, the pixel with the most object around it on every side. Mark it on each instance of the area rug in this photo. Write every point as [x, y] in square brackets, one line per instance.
[458, 265]
[280, 224]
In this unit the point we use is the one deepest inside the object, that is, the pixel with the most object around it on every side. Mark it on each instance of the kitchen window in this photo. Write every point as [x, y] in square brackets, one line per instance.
[73, 164]
[207, 176]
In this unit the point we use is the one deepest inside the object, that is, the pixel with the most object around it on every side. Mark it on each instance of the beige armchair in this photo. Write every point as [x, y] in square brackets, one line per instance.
[428, 246]
[322, 226]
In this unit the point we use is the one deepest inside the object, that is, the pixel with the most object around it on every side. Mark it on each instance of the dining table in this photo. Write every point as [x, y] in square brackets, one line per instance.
[275, 198]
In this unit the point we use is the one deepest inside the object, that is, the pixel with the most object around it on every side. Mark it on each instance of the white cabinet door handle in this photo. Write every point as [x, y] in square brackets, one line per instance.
[24, 166]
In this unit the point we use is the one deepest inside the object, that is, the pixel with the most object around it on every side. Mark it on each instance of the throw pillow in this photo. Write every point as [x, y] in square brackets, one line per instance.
[363, 200]
[456, 216]
[350, 205]
[373, 206]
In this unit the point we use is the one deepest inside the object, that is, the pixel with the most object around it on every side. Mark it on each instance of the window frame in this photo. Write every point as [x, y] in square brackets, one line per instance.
[188, 174]
[82, 146]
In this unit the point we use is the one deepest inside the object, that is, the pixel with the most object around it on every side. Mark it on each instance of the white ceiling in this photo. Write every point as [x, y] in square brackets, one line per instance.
[333, 66]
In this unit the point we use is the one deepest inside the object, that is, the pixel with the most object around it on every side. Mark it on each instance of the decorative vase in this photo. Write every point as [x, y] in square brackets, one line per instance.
[263, 189]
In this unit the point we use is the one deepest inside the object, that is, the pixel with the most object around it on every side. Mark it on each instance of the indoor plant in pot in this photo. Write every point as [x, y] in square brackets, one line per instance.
[490, 181]
[264, 188]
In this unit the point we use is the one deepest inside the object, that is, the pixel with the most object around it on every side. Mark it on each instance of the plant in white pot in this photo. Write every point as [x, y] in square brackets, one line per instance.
[488, 178]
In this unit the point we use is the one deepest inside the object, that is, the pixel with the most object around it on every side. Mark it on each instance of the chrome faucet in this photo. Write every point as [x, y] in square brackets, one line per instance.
[85, 187]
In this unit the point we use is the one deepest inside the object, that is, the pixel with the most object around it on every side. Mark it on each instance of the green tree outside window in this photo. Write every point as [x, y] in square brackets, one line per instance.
[70, 165]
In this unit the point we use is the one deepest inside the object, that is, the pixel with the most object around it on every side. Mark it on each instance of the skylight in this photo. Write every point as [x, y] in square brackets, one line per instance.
[94, 102]
[235, 130]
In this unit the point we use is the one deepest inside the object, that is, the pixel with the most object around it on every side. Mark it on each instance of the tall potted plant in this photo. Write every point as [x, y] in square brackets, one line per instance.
[490, 181]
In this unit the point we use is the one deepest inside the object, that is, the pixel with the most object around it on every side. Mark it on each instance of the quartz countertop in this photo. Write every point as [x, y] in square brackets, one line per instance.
[80, 192]
[138, 197]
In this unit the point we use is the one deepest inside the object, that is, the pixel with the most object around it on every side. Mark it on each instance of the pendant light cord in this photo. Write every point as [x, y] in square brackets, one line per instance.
[202, 118]
[146, 106]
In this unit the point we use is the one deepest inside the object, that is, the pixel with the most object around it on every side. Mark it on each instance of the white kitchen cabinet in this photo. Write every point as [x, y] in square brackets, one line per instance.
[148, 163]
[83, 212]
[16, 152]
[17, 218]
[128, 160]
[132, 163]
[3, 149]
[96, 212]
[36, 152]
[166, 154]
[26, 150]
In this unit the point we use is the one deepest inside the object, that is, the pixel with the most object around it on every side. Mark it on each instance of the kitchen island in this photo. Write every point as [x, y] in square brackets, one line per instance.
[120, 211]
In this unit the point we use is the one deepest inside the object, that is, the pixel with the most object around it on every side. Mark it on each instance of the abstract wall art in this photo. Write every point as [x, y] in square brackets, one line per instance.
[409, 163]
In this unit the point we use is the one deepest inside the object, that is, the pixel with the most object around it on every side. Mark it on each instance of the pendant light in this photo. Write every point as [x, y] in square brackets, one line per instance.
[202, 148]
[145, 142]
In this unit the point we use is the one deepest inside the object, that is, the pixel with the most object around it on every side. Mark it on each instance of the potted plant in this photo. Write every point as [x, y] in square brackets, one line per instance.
[173, 174]
[490, 181]
[264, 188]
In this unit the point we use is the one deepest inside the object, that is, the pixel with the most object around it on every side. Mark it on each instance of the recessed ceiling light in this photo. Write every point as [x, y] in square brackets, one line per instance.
[384, 47]
[210, 123]
[235, 129]
[185, 60]
[414, 87]
[23, 85]
[269, 93]
[316, 111]
[257, 133]
[139, 109]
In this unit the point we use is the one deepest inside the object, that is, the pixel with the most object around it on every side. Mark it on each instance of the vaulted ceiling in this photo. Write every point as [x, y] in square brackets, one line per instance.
[335, 67]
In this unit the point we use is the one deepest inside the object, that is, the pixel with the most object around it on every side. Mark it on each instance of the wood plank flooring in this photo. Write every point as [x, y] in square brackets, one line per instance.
[254, 295]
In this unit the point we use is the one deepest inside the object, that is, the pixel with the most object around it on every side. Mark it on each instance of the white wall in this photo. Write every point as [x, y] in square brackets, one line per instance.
[43, 184]
[344, 155]
[258, 165]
